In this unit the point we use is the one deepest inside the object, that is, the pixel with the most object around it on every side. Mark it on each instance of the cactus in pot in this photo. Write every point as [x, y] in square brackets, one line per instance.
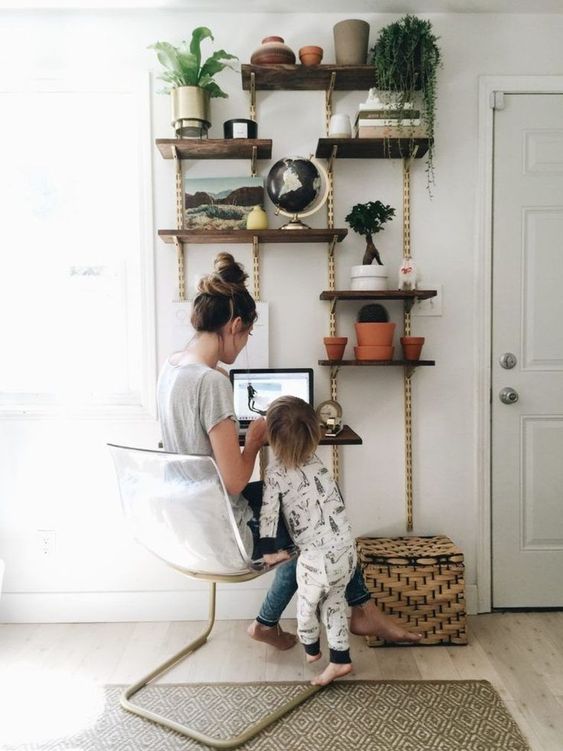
[374, 333]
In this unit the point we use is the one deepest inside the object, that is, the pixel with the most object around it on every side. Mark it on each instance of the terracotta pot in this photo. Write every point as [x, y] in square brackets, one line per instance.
[351, 42]
[412, 346]
[378, 334]
[374, 353]
[335, 346]
[273, 51]
[311, 55]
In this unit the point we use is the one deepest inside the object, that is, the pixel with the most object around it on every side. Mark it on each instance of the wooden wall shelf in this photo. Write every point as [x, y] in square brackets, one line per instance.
[385, 294]
[247, 236]
[372, 148]
[346, 437]
[214, 148]
[313, 78]
[380, 363]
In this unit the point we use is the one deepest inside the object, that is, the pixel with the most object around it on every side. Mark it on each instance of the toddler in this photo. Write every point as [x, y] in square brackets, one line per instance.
[316, 519]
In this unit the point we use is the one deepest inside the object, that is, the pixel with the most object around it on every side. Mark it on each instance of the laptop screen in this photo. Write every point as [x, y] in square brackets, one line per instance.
[255, 390]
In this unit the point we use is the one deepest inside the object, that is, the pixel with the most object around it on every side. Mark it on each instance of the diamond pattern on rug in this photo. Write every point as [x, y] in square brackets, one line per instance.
[368, 715]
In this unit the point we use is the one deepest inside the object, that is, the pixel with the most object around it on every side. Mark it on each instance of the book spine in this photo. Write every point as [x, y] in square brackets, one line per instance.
[387, 123]
[390, 132]
[388, 114]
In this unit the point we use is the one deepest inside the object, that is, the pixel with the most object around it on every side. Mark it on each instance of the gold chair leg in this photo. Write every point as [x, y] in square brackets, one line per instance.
[208, 740]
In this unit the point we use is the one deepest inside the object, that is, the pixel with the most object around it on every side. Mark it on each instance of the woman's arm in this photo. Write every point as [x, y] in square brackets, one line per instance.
[236, 467]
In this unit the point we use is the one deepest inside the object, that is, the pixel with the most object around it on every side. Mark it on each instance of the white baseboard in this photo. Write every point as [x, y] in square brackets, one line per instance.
[233, 603]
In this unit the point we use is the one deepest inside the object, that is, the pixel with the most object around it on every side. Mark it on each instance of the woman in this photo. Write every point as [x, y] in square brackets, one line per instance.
[195, 403]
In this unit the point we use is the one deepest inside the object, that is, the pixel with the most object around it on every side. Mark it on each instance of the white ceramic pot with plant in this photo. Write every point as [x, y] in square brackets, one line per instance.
[367, 219]
[191, 83]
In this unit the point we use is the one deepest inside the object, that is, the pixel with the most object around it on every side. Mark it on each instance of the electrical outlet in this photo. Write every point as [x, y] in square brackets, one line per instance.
[46, 542]
[430, 307]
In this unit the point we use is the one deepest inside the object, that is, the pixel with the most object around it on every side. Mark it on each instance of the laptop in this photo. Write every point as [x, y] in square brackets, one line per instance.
[255, 389]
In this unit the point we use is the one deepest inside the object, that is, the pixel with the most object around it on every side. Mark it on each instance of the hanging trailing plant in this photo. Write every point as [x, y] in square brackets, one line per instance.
[406, 57]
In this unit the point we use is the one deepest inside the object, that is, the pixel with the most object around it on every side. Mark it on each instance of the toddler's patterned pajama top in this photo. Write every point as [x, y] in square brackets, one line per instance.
[316, 520]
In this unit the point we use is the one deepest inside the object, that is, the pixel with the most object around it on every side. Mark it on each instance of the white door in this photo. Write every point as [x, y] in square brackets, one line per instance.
[527, 434]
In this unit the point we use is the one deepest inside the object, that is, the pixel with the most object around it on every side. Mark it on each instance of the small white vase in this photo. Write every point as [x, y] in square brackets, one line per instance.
[372, 277]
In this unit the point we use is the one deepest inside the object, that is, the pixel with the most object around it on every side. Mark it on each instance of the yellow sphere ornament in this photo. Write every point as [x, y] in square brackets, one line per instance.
[257, 219]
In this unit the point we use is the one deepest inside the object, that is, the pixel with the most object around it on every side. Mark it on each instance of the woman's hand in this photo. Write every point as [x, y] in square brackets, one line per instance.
[271, 558]
[256, 433]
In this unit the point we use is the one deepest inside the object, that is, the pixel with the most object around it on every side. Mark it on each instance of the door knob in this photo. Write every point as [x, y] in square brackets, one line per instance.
[507, 360]
[508, 395]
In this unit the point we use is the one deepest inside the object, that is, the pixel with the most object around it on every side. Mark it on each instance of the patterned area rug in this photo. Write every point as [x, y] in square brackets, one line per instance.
[366, 715]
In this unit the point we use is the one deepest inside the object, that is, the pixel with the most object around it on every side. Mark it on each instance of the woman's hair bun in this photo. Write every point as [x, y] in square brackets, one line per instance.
[229, 270]
[229, 277]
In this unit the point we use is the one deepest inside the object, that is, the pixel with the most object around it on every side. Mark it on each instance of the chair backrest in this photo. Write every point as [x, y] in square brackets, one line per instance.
[178, 508]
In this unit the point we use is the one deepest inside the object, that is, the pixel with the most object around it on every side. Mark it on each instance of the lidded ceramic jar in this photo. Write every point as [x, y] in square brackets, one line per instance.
[272, 51]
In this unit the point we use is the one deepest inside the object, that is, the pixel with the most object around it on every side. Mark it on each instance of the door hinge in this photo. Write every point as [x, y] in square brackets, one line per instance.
[496, 100]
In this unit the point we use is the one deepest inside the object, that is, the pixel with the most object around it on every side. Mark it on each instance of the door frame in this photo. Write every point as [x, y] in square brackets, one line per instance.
[483, 300]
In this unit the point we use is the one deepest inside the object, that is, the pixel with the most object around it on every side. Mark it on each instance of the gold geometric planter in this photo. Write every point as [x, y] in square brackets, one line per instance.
[190, 111]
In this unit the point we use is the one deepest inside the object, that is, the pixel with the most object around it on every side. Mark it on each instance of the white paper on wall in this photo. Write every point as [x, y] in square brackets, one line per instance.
[254, 355]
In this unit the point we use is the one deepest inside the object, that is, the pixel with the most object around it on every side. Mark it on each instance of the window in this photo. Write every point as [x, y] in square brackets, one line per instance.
[75, 321]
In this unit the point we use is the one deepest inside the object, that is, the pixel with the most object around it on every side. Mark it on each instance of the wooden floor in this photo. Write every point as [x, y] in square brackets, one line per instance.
[521, 654]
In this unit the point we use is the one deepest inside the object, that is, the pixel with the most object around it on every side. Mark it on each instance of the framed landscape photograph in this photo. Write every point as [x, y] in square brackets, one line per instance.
[220, 202]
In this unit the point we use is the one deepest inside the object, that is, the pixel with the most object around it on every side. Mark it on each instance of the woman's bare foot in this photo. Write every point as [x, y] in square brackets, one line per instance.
[332, 671]
[275, 636]
[368, 620]
[313, 658]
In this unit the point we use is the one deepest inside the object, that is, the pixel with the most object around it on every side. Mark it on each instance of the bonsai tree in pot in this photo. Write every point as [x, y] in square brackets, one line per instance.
[406, 57]
[190, 82]
[367, 219]
[374, 333]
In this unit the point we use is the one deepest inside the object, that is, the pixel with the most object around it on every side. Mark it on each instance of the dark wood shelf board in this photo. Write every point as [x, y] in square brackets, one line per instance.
[346, 437]
[371, 148]
[214, 148]
[385, 294]
[380, 363]
[309, 78]
[247, 235]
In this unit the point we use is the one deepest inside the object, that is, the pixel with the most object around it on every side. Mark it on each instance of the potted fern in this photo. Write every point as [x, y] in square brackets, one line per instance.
[367, 219]
[190, 82]
[406, 57]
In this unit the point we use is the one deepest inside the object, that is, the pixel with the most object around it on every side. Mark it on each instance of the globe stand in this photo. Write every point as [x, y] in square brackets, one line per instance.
[295, 223]
[295, 217]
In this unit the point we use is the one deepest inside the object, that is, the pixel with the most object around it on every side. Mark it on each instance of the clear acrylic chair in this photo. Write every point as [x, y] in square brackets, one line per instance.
[177, 507]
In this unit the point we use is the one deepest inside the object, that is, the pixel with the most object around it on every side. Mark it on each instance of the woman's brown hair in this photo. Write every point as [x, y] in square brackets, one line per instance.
[293, 430]
[222, 296]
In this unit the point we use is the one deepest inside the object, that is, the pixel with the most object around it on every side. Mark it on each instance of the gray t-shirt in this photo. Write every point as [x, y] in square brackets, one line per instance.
[192, 399]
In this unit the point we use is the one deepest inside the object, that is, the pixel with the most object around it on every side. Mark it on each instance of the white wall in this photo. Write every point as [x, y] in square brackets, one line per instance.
[443, 238]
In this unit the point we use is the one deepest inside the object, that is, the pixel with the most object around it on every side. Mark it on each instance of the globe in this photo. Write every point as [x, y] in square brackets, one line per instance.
[293, 184]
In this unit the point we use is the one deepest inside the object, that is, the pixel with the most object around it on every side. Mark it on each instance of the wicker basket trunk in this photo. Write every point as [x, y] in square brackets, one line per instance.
[420, 581]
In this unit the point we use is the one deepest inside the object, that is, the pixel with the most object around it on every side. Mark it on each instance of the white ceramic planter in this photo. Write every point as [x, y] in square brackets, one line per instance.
[372, 277]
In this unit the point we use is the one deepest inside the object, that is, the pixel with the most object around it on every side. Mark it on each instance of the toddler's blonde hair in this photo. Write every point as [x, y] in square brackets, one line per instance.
[293, 430]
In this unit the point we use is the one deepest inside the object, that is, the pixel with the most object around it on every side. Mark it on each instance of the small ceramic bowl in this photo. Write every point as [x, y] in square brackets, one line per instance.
[311, 55]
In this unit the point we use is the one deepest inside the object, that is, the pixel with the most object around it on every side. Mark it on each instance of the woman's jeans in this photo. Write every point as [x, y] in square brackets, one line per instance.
[284, 585]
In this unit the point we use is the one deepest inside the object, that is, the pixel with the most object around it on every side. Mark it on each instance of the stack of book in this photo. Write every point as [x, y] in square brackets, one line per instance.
[389, 122]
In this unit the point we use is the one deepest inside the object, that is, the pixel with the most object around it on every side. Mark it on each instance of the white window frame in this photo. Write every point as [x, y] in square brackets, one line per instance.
[138, 86]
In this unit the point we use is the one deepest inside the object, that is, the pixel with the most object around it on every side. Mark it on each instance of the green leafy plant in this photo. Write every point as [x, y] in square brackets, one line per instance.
[373, 313]
[406, 57]
[183, 66]
[368, 219]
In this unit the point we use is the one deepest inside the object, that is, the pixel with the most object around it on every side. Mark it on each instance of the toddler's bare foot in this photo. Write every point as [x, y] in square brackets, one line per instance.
[332, 671]
[313, 658]
[275, 636]
[368, 620]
